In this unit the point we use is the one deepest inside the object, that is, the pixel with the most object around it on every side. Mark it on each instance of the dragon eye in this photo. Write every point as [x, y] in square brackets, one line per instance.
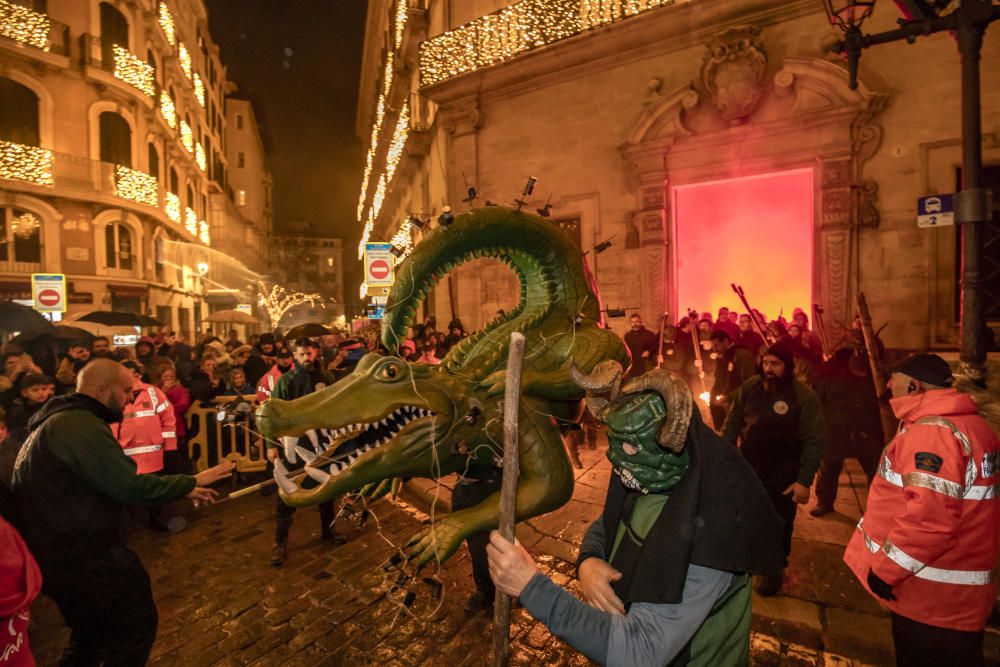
[390, 372]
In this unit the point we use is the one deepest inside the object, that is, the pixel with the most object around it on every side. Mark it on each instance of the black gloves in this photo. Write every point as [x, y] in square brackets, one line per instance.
[879, 587]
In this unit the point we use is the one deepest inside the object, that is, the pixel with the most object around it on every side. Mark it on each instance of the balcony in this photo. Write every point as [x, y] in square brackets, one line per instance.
[44, 172]
[522, 27]
[120, 63]
[33, 29]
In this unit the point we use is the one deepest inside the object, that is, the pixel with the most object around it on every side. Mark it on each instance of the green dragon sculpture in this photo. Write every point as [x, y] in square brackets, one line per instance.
[399, 419]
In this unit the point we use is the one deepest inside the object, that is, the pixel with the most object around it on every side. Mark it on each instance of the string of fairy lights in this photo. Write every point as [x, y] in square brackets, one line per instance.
[26, 163]
[24, 25]
[136, 186]
[521, 27]
[134, 70]
[167, 24]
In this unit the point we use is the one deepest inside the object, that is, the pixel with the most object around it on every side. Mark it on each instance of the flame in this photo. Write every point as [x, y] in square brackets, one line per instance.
[705, 397]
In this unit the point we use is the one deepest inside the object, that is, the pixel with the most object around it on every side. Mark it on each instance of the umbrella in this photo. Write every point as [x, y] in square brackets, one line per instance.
[231, 317]
[59, 334]
[307, 330]
[16, 317]
[115, 318]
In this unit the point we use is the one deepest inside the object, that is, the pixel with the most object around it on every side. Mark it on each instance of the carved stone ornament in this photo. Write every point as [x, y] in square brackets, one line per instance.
[733, 70]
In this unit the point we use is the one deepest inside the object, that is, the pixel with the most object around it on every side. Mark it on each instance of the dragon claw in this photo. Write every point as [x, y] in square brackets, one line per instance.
[437, 541]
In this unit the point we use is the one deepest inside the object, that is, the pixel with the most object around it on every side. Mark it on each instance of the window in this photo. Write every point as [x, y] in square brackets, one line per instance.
[239, 121]
[175, 182]
[153, 161]
[158, 261]
[18, 113]
[20, 236]
[190, 197]
[118, 246]
[151, 59]
[241, 160]
[114, 30]
[116, 139]
[241, 198]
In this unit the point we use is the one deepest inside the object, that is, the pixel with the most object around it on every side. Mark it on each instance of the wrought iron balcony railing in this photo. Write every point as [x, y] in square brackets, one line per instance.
[33, 29]
[120, 62]
[519, 28]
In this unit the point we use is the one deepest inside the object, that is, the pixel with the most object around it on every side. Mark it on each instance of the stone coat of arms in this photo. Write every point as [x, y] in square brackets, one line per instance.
[732, 71]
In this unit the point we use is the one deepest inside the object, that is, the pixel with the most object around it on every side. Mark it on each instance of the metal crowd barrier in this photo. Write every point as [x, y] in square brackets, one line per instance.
[211, 442]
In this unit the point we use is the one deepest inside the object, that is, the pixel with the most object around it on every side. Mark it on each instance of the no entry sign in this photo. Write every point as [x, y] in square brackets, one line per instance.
[48, 292]
[378, 264]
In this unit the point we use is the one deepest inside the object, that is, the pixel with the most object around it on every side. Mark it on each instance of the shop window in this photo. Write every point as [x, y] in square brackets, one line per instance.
[118, 246]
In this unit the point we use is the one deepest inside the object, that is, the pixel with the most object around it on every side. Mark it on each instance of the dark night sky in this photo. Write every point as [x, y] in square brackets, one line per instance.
[299, 61]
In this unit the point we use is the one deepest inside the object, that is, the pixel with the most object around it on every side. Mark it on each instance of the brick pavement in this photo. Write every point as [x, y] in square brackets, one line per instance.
[221, 603]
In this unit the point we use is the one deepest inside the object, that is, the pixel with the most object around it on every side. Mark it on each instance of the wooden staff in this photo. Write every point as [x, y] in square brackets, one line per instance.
[508, 490]
[659, 347]
[820, 328]
[871, 344]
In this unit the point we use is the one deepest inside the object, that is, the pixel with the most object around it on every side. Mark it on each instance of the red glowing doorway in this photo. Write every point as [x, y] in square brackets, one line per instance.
[755, 231]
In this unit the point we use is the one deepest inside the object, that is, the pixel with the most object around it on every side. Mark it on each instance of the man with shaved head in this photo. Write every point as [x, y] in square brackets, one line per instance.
[72, 481]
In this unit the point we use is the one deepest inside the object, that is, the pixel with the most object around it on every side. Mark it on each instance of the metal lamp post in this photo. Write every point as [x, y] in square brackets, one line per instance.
[968, 22]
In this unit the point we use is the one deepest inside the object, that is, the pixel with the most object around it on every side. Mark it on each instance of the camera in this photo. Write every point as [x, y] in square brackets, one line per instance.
[237, 410]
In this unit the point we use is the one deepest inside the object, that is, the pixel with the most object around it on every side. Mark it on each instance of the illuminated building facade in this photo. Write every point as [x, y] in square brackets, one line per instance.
[113, 138]
[307, 262]
[713, 141]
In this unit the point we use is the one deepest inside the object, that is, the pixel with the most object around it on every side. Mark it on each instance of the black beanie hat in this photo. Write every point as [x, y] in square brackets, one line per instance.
[926, 367]
[784, 353]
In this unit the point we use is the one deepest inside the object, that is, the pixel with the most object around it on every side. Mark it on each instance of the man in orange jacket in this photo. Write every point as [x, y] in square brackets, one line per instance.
[147, 428]
[927, 544]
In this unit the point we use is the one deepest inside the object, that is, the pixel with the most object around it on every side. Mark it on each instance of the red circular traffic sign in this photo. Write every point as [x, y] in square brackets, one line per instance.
[49, 297]
[379, 269]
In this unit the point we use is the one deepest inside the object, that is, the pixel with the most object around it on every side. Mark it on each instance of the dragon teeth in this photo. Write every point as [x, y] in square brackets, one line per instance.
[281, 477]
[320, 476]
[306, 455]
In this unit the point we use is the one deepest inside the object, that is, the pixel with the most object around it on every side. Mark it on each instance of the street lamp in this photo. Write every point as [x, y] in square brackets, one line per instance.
[968, 22]
[202, 268]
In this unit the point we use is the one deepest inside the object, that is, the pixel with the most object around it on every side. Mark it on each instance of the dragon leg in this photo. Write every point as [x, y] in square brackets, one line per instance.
[545, 483]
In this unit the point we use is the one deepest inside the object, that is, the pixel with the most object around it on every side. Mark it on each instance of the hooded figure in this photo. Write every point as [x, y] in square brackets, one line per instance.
[684, 524]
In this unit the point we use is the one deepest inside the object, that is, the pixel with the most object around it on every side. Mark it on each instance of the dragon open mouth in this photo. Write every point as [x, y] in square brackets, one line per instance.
[346, 445]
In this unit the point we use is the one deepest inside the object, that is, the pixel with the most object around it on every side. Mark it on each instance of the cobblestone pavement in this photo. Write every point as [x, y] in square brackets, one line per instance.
[221, 603]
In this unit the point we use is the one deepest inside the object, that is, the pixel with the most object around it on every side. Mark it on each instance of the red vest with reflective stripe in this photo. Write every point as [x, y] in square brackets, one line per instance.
[147, 428]
[930, 527]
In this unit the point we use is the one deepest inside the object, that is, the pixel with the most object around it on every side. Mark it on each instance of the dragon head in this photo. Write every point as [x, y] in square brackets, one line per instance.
[389, 418]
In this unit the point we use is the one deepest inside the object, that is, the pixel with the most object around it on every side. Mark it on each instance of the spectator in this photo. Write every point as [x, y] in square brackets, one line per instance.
[456, 332]
[428, 353]
[240, 356]
[16, 366]
[180, 400]
[283, 364]
[261, 359]
[147, 429]
[77, 355]
[222, 358]
[233, 341]
[36, 390]
[237, 385]
[408, 351]
[642, 344]
[145, 350]
[179, 353]
[206, 383]
[100, 348]
[734, 367]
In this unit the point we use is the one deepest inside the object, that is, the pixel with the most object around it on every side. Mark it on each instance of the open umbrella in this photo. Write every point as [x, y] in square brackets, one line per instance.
[114, 318]
[308, 330]
[231, 317]
[60, 336]
[17, 317]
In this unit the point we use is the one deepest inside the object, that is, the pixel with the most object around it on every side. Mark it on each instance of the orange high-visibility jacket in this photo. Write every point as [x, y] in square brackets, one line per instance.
[930, 528]
[147, 429]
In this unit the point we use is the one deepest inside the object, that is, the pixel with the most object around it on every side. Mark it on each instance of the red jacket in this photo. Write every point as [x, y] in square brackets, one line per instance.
[180, 401]
[930, 528]
[20, 582]
[147, 428]
[268, 382]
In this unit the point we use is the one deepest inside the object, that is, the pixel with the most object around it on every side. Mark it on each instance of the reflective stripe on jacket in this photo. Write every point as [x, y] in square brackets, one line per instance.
[930, 527]
[147, 429]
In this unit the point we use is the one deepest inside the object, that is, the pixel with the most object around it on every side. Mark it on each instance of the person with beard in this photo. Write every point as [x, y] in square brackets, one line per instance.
[749, 339]
[779, 424]
[307, 377]
[260, 360]
[853, 423]
[283, 362]
[100, 348]
[642, 346]
[77, 355]
[70, 487]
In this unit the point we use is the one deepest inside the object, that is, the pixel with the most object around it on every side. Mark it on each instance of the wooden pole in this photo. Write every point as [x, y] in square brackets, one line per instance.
[871, 344]
[508, 490]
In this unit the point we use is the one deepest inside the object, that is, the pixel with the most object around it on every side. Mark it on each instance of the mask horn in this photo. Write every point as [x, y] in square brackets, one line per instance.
[678, 400]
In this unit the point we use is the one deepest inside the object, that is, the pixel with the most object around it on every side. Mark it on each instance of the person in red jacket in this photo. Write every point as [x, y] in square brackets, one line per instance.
[267, 383]
[20, 583]
[927, 544]
[180, 401]
[147, 429]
